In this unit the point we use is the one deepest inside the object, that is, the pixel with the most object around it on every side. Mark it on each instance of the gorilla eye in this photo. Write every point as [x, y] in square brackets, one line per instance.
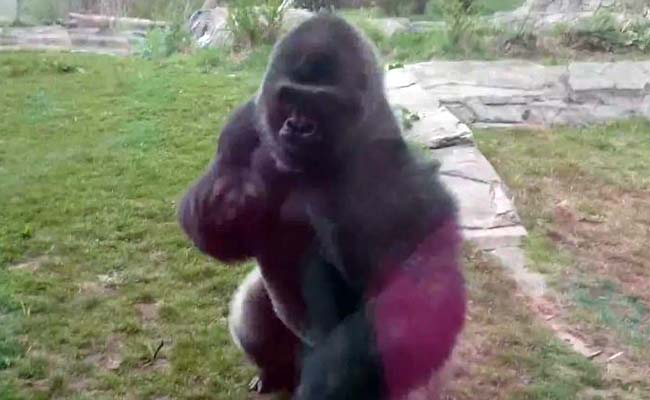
[316, 68]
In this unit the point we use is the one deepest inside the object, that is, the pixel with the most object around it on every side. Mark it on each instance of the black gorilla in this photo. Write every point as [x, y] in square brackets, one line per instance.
[358, 293]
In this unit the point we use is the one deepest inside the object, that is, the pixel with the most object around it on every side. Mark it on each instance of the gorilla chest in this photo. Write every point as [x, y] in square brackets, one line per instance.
[309, 293]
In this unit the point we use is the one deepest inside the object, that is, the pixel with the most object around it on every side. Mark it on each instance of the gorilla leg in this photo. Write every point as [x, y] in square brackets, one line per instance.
[268, 343]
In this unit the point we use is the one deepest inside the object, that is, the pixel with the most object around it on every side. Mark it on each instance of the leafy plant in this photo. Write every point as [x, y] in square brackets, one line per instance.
[255, 23]
[316, 5]
[599, 33]
[209, 58]
[518, 42]
[405, 117]
[603, 32]
[168, 10]
[402, 7]
[638, 35]
[163, 42]
[46, 11]
[460, 18]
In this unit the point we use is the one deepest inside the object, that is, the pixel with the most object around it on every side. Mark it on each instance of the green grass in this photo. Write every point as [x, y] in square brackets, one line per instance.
[583, 195]
[484, 7]
[481, 42]
[435, 10]
[506, 353]
[613, 154]
[411, 47]
[491, 6]
[92, 162]
[94, 153]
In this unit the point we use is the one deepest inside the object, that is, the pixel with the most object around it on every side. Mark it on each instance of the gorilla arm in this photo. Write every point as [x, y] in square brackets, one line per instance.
[401, 336]
[222, 211]
[403, 235]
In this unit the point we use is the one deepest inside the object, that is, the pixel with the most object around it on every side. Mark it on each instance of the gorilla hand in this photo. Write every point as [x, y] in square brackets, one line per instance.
[236, 195]
[225, 205]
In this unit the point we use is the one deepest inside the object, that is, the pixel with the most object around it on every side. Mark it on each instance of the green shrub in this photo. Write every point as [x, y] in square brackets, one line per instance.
[603, 32]
[435, 8]
[163, 42]
[599, 33]
[209, 58]
[168, 10]
[415, 46]
[372, 32]
[48, 11]
[560, 29]
[45, 11]
[253, 23]
[520, 42]
[638, 35]
[402, 7]
[460, 19]
[405, 117]
[316, 5]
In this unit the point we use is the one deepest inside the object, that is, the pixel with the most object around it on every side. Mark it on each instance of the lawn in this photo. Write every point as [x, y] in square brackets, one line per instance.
[435, 9]
[584, 195]
[102, 297]
[484, 7]
[94, 273]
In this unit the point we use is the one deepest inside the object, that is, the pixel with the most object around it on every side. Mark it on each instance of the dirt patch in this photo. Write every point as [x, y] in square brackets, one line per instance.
[587, 206]
[96, 289]
[80, 385]
[148, 312]
[158, 257]
[158, 365]
[111, 357]
[608, 232]
[35, 264]
[603, 229]
[111, 280]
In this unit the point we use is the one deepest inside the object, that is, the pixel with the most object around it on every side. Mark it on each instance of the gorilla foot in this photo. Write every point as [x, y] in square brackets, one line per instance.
[264, 384]
[256, 385]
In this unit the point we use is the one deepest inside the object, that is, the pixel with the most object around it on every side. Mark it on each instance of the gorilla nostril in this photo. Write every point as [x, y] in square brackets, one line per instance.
[308, 128]
[293, 124]
[298, 127]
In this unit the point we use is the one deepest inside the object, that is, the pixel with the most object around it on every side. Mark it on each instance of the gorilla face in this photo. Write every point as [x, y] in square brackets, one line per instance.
[312, 98]
[308, 122]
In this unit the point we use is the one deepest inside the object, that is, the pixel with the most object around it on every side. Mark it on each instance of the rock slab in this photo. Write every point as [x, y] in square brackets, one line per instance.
[487, 215]
[515, 93]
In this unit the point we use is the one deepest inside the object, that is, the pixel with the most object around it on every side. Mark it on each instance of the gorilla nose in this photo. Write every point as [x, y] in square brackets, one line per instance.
[301, 125]
[298, 127]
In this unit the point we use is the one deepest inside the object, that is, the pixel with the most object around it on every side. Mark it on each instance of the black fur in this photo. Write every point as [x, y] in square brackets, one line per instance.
[313, 179]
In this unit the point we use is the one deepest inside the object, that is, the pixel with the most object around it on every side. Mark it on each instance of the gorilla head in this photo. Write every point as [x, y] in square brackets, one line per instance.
[315, 95]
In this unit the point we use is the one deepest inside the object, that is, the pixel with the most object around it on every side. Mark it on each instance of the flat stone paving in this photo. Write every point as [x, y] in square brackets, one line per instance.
[487, 215]
[517, 93]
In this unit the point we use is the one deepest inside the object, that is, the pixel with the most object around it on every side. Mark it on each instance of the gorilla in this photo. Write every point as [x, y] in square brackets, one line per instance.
[358, 293]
